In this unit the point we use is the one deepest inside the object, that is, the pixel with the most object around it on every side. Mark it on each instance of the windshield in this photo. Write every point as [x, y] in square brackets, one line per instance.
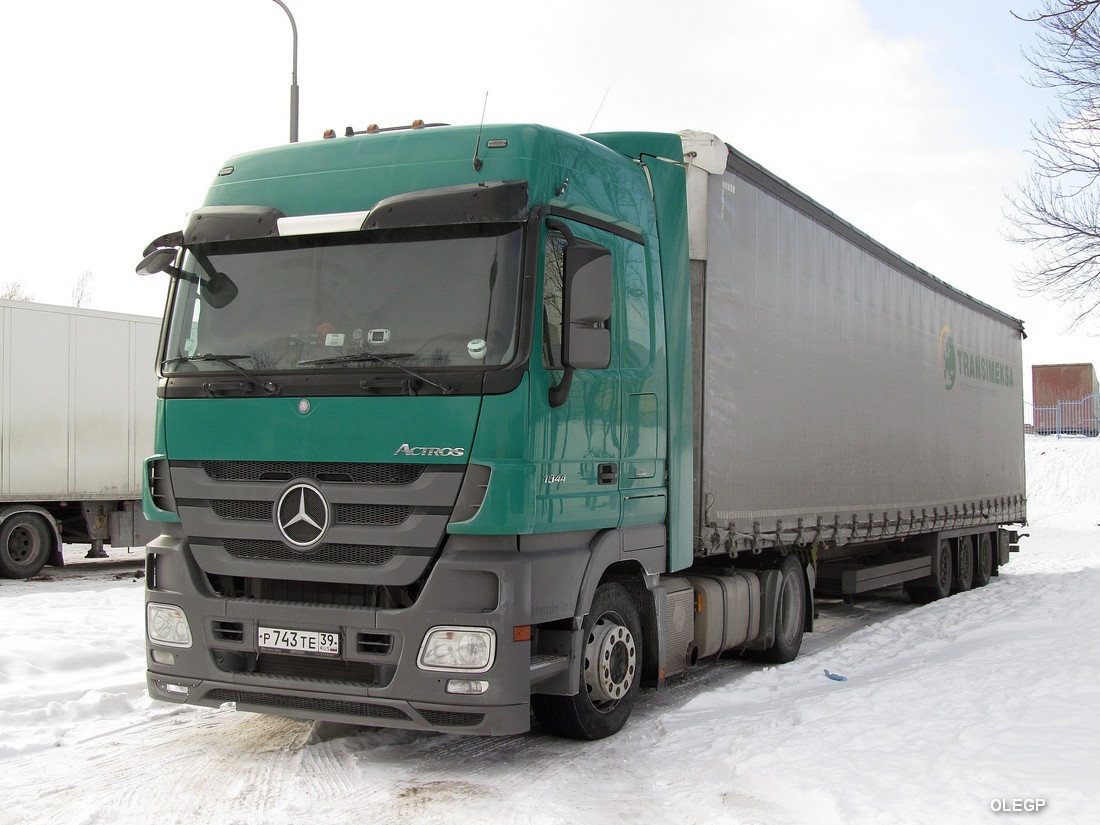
[419, 299]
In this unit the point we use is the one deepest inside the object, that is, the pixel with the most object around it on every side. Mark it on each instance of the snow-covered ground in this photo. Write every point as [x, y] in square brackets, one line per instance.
[985, 700]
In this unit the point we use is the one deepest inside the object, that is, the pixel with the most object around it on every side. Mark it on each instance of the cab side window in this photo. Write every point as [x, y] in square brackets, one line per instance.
[552, 290]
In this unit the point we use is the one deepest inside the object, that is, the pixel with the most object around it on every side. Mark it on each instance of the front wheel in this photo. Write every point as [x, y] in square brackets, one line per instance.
[25, 545]
[610, 675]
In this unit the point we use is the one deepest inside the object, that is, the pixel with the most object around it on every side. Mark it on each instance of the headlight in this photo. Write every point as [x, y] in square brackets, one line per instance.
[167, 625]
[469, 649]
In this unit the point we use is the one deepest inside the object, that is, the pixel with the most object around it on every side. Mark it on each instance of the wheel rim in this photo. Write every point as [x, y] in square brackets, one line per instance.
[945, 566]
[966, 561]
[985, 556]
[22, 545]
[610, 662]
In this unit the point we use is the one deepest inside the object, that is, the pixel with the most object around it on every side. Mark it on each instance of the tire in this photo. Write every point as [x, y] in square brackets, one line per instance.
[790, 618]
[941, 577]
[610, 675]
[25, 545]
[983, 560]
[963, 574]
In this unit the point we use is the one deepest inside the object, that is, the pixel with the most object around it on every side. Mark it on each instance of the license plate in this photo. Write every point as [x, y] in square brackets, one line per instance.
[316, 642]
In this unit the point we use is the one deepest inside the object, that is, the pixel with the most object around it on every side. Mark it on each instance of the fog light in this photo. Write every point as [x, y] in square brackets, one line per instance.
[469, 649]
[467, 687]
[163, 657]
[181, 690]
[166, 624]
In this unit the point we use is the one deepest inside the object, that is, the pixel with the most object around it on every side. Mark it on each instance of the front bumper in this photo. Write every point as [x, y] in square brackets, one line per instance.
[317, 703]
[375, 680]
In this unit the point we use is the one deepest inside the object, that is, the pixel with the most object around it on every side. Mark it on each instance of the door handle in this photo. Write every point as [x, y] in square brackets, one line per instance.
[608, 473]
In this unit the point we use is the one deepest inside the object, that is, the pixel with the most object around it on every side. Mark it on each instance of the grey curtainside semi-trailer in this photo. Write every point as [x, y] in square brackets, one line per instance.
[443, 441]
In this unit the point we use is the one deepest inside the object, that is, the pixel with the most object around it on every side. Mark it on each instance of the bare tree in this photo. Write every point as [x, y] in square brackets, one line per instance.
[1058, 208]
[82, 289]
[13, 291]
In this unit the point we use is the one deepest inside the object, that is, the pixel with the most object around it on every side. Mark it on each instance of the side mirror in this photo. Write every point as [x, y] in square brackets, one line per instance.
[219, 290]
[586, 340]
[159, 260]
[586, 310]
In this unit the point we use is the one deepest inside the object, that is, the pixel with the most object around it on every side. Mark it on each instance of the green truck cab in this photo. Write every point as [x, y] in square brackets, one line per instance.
[457, 436]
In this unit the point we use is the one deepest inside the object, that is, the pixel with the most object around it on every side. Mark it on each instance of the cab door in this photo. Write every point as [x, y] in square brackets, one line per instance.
[577, 412]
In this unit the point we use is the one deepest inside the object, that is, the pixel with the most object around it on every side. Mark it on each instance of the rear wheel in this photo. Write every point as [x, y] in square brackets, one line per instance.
[941, 578]
[983, 560]
[790, 618]
[610, 675]
[963, 578]
[25, 545]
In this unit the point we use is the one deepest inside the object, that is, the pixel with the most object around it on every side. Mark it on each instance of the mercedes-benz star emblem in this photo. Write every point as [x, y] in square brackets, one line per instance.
[302, 515]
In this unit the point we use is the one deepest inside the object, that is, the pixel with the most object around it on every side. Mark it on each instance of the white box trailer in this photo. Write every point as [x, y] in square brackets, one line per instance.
[77, 403]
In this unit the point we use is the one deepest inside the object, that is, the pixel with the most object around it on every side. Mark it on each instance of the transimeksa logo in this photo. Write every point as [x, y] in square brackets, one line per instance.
[947, 356]
[961, 363]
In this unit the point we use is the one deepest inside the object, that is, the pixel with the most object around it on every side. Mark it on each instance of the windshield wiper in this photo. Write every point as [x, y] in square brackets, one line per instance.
[269, 387]
[386, 359]
[351, 357]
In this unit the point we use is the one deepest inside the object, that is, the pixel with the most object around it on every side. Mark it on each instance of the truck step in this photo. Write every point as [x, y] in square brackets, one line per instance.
[545, 665]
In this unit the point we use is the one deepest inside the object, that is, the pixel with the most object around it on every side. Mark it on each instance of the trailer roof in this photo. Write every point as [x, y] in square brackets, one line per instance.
[670, 146]
[751, 170]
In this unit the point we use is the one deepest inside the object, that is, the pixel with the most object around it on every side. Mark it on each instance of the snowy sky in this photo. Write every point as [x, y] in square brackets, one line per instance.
[911, 120]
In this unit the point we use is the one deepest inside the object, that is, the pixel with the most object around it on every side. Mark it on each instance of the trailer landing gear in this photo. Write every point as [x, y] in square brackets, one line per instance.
[96, 551]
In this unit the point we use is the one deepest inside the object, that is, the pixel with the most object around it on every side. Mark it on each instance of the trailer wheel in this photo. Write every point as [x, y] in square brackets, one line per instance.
[963, 578]
[610, 676]
[983, 560]
[941, 578]
[790, 619]
[25, 545]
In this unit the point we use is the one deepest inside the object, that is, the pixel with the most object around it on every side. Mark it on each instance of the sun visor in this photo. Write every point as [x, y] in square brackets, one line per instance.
[497, 202]
[211, 224]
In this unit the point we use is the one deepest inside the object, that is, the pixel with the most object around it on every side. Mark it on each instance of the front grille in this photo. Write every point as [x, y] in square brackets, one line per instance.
[452, 719]
[307, 705]
[325, 670]
[228, 631]
[325, 554]
[378, 643]
[372, 515]
[388, 515]
[243, 510]
[339, 594]
[335, 471]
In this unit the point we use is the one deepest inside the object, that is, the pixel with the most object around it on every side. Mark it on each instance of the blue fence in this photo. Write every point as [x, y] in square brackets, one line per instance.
[1066, 418]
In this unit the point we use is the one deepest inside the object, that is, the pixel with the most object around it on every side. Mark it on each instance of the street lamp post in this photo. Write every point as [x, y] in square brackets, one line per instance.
[293, 76]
